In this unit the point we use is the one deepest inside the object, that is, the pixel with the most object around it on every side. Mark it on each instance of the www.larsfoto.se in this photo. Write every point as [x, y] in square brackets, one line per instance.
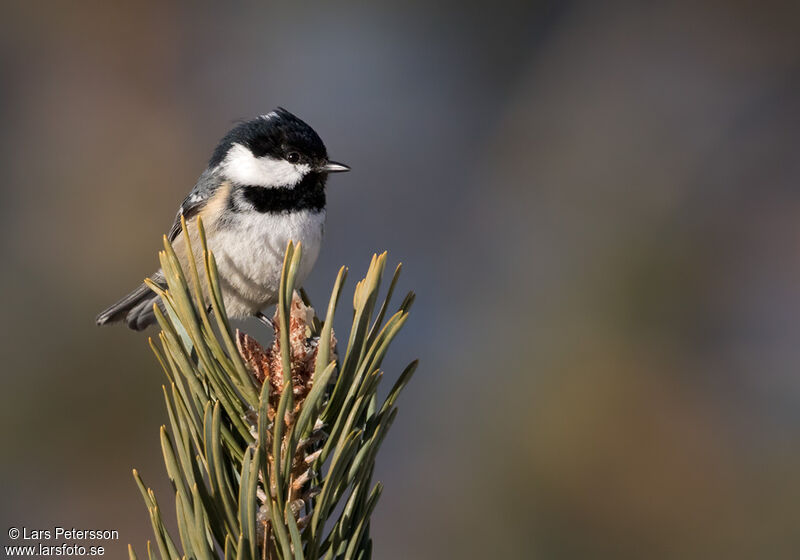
[63, 549]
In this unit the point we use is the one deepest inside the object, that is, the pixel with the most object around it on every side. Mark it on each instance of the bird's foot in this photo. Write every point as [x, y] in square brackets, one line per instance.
[312, 342]
[265, 320]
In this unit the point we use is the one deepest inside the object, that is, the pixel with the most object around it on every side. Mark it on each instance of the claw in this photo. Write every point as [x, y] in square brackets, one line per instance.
[312, 342]
[265, 320]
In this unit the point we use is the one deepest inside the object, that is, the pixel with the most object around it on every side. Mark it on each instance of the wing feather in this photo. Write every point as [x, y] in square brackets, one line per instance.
[203, 191]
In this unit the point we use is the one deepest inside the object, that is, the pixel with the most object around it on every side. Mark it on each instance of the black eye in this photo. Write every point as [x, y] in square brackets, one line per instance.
[292, 157]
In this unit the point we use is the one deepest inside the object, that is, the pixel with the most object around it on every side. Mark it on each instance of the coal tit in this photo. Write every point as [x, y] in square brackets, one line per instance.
[264, 185]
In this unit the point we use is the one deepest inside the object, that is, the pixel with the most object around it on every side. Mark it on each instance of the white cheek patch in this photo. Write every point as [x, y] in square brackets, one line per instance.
[242, 167]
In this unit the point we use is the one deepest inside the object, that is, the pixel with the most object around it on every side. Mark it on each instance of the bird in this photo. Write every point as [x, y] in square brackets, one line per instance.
[265, 185]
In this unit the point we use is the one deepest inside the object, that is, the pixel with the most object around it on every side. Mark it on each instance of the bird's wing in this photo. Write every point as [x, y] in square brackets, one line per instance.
[203, 191]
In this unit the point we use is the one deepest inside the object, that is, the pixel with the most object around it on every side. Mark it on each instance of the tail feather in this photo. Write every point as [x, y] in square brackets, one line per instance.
[142, 316]
[136, 309]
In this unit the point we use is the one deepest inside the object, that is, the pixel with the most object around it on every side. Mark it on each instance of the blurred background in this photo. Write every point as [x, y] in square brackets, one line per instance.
[598, 206]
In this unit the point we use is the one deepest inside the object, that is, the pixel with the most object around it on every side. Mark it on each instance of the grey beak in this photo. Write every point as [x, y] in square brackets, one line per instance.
[334, 167]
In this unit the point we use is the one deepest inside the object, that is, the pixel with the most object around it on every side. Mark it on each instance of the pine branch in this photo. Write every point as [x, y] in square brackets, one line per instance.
[264, 444]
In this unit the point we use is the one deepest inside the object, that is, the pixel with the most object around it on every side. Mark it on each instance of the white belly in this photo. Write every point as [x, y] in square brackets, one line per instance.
[250, 251]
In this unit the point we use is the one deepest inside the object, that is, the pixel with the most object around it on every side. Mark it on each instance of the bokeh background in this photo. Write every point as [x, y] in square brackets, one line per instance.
[598, 205]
